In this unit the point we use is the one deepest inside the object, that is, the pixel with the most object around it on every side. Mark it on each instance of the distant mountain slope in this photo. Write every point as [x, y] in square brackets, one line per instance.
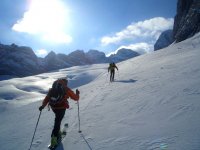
[18, 61]
[123, 54]
[97, 57]
[164, 40]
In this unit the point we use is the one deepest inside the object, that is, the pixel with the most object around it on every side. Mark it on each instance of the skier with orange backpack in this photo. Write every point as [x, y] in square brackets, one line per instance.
[57, 99]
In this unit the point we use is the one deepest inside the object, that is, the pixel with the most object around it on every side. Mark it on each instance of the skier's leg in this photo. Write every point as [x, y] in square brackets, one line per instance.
[59, 114]
[110, 76]
[113, 75]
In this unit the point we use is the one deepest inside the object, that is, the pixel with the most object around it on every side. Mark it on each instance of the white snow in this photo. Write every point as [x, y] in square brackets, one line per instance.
[154, 104]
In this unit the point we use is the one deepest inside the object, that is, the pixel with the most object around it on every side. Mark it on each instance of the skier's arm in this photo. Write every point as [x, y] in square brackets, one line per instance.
[45, 102]
[72, 95]
[116, 67]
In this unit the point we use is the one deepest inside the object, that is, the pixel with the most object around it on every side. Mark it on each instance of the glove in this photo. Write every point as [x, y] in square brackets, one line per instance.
[41, 107]
[77, 92]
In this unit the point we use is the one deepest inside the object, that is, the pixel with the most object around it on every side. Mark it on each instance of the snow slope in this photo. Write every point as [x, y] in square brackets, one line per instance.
[153, 105]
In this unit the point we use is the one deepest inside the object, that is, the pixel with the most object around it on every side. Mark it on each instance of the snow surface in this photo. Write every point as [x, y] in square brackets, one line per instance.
[154, 104]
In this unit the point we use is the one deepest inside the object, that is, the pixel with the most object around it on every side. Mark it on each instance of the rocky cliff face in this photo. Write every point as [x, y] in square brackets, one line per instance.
[186, 24]
[187, 19]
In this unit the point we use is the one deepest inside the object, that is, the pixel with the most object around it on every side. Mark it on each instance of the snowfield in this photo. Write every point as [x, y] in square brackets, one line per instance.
[154, 104]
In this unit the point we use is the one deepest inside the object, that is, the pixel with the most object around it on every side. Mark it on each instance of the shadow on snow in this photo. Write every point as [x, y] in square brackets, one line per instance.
[126, 81]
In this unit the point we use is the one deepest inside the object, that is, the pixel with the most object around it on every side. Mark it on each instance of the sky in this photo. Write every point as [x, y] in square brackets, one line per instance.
[64, 26]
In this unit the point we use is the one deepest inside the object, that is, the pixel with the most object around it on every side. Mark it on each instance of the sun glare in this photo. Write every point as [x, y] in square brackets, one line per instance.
[47, 18]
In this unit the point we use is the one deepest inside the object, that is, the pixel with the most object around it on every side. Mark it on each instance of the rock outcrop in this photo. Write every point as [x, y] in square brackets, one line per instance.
[187, 19]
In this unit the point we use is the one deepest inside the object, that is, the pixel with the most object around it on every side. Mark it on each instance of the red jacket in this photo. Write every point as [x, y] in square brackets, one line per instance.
[64, 103]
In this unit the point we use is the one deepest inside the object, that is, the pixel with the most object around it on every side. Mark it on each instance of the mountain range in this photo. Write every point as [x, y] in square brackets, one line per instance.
[20, 61]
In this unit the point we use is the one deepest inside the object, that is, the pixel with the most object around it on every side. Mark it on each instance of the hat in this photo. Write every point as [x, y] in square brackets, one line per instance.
[63, 79]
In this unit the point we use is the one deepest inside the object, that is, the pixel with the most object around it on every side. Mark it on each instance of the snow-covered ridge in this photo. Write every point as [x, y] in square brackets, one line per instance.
[153, 105]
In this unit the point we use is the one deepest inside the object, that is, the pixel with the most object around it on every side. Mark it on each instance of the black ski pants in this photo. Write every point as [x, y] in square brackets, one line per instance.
[59, 114]
[112, 75]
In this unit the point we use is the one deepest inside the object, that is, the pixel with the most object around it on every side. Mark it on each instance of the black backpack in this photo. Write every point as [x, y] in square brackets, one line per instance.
[57, 93]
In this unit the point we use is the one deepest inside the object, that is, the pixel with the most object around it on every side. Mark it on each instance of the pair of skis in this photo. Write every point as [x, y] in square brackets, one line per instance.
[63, 134]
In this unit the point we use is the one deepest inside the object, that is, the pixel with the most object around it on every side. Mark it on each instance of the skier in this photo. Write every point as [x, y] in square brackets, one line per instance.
[111, 69]
[59, 108]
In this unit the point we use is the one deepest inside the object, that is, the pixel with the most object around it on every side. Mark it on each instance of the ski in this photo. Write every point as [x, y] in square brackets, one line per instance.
[63, 135]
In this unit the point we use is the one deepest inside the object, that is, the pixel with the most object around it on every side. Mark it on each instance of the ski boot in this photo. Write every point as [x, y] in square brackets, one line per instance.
[54, 142]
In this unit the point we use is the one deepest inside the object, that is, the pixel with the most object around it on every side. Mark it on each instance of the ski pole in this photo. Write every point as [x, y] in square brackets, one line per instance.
[107, 77]
[79, 124]
[118, 74]
[35, 129]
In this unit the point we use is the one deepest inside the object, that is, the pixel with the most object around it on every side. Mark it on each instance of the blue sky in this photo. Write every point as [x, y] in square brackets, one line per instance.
[63, 26]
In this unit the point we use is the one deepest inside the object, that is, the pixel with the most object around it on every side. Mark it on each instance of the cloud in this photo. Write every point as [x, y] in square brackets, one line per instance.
[137, 47]
[41, 52]
[151, 28]
[46, 19]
